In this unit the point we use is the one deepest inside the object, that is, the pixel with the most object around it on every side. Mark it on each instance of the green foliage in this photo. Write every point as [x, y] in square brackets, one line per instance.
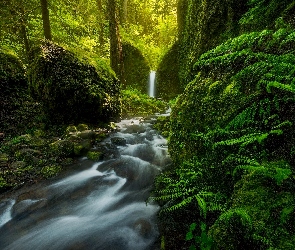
[264, 13]
[136, 103]
[203, 240]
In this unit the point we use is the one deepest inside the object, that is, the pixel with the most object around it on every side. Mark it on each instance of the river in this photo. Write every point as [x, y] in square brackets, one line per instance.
[99, 205]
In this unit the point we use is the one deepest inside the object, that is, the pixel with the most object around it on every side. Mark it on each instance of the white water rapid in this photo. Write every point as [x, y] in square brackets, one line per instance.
[100, 206]
[152, 83]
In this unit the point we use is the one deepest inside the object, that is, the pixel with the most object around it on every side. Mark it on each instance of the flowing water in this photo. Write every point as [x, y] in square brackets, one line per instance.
[152, 84]
[99, 206]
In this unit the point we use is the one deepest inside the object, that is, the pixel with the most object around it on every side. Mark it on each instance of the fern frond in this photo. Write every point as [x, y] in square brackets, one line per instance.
[242, 213]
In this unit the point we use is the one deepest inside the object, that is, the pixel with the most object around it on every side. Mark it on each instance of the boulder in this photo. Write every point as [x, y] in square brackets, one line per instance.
[71, 89]
[119, 141]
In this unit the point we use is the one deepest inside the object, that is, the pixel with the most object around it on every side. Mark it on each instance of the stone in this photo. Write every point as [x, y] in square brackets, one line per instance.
[87, 134]
[119, 141]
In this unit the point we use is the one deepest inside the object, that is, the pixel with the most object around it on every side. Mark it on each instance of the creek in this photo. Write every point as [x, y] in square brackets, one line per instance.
[98, 205]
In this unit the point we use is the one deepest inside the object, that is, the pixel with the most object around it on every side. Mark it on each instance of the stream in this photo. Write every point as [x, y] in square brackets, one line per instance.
[99, 205]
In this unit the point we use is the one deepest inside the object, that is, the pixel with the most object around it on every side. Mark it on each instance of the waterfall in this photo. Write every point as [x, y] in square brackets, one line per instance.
[152, 84]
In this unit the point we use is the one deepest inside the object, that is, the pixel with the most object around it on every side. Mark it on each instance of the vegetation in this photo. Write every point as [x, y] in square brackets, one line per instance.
[134, 104]
[230, 66]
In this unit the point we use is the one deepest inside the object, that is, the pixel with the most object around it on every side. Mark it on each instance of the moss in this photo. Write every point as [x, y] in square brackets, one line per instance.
[72, 90]
[81, 127]
[94, 155]
[167, 79]
[62, 148]
[136, 68]
[204, 25]
[50, 171]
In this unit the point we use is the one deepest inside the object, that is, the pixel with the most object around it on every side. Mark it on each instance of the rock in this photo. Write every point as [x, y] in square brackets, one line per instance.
[119, 141]
[73, 90]
[135, 129]
[87, 134]
[62, 148]
[71, 130]
[81, 127]
[18, 164]
[82, 147]
[143, 227]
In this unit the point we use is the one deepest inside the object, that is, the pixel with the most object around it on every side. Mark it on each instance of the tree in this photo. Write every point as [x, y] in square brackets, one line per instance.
[116, 53]
[45, 18]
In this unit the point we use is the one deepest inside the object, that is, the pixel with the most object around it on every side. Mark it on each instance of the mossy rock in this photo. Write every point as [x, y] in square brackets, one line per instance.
[4, 158]
[62, 148]
[50, 171]
[12, 74]
[94, 155]
[81, 127]
[136, 68]
[263, 219]
[82, 147]
[71, 89]
[202, 26]
[167, 78]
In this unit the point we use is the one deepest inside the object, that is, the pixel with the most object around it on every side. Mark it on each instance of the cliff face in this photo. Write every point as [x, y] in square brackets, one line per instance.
[202, 26]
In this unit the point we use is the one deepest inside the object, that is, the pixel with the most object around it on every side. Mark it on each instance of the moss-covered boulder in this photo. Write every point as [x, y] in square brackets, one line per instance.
[13, 98]
[167, 79]
[136, 68]
[71, 89]
[12, 74]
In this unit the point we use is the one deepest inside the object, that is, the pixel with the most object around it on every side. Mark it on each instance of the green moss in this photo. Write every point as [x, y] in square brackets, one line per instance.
[167, 79]
[62, 148]
[94, 155]
[136, 68]
[50, 171]
[81, 127]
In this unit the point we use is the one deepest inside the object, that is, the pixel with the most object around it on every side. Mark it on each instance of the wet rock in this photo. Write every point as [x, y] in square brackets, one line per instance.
[135, 129]
[119, 141]
[87, 134]
[27, 206]
[143, 227]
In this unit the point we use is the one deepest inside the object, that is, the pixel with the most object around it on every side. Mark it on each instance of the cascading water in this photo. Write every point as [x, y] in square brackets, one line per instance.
[101, 206]
[152, 83]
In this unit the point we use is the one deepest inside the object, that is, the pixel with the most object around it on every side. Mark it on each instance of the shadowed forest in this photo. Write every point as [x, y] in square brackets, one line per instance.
[70, 71]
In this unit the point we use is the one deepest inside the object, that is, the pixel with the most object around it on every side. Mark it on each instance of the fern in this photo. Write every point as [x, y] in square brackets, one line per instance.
[245, 219]
[277, 85]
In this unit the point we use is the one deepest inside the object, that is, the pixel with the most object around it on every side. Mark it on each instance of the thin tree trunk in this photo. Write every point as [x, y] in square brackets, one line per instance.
[116, 53]
[101, 26]
[24, 33]
[45, 18]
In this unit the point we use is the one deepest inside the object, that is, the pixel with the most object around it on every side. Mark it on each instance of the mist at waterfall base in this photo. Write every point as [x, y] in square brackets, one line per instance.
[101, 205]
[151, 84]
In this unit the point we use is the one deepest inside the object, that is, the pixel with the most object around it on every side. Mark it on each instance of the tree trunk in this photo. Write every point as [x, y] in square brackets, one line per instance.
[45, 18]
[101, 26]
[23, 31]
[116, 53]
